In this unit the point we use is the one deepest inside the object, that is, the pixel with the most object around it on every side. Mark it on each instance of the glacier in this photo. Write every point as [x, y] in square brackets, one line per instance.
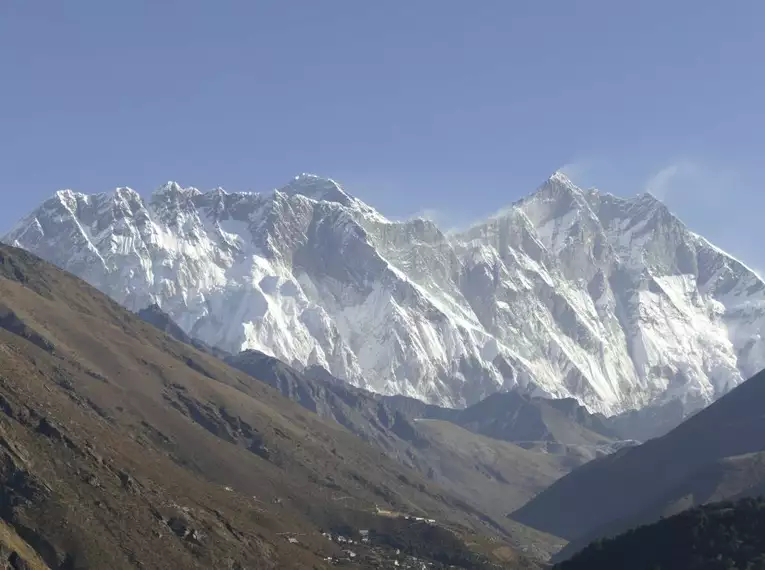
[569, 292]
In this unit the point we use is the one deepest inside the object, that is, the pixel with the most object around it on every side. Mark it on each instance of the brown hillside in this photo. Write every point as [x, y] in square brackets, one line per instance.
[123, 448]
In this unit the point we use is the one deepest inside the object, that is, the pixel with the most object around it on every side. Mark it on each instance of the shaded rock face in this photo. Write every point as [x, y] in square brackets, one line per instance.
[568, 293]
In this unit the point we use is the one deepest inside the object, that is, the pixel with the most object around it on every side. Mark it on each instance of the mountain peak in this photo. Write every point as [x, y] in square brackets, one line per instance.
[219, 191]
[317, 188]
[322, 189]
[173, 188]
[126, 193]
[560, 178]
[559, 182]
[67, 195]
[69, 199]
[648, 198]
[169, 186]
[555, 198]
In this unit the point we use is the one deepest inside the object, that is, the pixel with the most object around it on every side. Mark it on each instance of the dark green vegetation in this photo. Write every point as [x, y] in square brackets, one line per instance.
[718, 454]
[723, 536]
[121, 447]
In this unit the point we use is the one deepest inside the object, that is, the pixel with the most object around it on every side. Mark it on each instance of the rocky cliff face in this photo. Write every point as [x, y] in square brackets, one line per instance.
[568, 293]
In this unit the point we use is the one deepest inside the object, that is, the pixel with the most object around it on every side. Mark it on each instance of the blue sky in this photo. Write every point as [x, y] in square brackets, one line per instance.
[450, 107]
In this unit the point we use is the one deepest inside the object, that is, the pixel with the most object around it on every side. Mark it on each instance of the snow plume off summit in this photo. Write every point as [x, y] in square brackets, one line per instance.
[568, 293]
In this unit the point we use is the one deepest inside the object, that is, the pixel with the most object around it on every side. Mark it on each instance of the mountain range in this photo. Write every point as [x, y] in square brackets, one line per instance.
[127, 425]
[568, 293]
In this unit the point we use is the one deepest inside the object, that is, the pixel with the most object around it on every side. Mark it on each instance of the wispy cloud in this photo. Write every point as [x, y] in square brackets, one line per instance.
[432, 214]
[580, 170]
[672, 178]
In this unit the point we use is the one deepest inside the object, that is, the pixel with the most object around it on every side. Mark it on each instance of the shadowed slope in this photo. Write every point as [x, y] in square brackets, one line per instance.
[690, 465]
[725, 535]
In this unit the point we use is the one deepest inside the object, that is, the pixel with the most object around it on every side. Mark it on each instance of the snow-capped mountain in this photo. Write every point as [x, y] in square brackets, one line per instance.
[568, 292]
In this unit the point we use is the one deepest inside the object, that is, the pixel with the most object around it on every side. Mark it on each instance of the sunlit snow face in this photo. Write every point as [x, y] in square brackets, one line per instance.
[566, 293]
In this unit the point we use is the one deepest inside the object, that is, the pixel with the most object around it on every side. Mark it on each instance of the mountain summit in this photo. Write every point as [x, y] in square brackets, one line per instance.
[567, 293]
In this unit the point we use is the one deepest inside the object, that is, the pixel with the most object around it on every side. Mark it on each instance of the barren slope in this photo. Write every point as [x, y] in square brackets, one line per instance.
[123, 448]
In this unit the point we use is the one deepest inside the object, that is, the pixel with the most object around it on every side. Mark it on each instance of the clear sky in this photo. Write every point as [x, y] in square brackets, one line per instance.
[451, 107]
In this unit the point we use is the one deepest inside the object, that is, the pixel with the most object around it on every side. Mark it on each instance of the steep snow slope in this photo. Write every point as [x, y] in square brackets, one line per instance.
[566, 293]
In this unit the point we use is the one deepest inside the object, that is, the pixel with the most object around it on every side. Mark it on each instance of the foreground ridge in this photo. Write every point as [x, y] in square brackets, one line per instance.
[123, 448]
